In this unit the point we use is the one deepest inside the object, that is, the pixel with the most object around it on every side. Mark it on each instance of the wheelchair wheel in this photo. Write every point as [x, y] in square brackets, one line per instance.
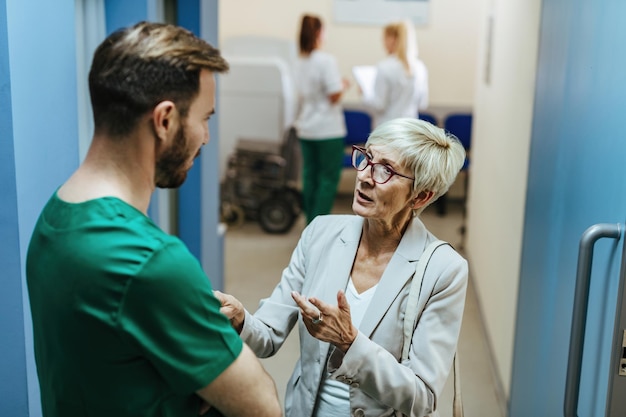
[276, 215]
[295, 199]
[231, 214]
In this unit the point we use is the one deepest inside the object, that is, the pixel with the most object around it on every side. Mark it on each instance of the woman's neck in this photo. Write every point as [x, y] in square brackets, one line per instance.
[381, 237]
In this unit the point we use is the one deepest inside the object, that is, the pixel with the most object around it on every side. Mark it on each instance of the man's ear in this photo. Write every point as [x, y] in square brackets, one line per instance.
[422, 199]
[165, 120]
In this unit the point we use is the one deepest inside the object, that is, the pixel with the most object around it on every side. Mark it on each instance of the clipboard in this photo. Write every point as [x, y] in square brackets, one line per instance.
[365, 76]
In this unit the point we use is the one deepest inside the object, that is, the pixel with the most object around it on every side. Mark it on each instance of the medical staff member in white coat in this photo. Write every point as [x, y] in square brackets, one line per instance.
[320, 122]
[401, 84]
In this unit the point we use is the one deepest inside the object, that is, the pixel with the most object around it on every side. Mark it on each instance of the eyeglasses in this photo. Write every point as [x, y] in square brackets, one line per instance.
[381, 173]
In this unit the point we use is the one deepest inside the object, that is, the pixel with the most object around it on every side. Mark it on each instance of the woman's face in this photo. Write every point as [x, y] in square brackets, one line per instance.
[389, 202]
[321, 37]
[390, 43]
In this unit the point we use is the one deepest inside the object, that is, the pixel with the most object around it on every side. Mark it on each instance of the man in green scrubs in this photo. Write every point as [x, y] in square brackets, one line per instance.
[125, 321]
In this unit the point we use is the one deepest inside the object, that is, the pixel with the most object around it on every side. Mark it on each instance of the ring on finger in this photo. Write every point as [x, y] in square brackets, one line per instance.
[318, 320]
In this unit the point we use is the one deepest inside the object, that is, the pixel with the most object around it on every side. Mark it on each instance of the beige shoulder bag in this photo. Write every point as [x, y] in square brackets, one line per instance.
[409, 325]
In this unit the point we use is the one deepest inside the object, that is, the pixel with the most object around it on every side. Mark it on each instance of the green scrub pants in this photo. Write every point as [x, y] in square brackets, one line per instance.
[322, 164]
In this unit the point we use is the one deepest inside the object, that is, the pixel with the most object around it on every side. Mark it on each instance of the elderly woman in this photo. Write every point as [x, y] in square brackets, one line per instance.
[347, 283]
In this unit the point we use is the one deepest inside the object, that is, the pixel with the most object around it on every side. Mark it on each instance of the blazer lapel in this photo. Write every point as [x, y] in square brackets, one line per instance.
[340, 261]
[400, 269]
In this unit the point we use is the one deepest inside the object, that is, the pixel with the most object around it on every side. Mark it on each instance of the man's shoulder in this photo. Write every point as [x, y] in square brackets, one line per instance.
[103, 229]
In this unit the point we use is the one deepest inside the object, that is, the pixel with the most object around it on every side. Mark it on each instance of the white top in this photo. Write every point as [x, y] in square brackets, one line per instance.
[317, 77]
[396, 93]
[334, 396]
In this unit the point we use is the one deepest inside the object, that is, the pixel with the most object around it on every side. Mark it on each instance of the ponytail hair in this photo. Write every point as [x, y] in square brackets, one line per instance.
[406, 43]
[309, 33]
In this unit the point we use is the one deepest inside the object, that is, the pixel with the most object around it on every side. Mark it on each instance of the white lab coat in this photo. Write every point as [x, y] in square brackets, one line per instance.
[396, 93]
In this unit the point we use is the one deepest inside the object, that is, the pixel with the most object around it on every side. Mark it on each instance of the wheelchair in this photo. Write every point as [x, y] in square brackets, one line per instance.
[260, 184]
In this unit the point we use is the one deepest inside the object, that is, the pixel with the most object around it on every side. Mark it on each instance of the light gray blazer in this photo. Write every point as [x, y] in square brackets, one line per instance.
[379, 385]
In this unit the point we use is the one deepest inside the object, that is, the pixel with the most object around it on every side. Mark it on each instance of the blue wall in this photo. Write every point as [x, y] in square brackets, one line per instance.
[41, 129]
[122, 13]
[212, 241]
[13, 390]
[199, 197]
[576, 179]
[189, 207]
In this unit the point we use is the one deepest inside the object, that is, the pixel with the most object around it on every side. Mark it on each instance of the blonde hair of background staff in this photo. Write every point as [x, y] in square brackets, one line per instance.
[405, 43]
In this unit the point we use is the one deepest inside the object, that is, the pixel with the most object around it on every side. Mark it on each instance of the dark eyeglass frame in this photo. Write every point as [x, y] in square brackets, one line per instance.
[373, 164]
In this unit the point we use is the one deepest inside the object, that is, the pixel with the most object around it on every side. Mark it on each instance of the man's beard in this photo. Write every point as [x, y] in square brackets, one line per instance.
[171, 169]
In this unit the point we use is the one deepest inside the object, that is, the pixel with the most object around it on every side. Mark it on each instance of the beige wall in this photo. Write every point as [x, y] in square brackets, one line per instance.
[448, 44]
[500, 149]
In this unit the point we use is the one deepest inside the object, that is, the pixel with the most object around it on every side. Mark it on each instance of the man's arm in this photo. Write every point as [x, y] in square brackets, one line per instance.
[244, 389]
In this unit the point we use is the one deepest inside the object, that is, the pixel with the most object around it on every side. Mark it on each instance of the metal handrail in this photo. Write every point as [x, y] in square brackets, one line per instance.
[579, 315]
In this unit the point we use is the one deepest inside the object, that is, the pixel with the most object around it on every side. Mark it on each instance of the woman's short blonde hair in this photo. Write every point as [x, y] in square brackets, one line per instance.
[434, 156]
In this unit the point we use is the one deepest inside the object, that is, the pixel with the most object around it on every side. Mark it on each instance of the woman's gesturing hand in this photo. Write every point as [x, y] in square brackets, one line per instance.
[326, 322]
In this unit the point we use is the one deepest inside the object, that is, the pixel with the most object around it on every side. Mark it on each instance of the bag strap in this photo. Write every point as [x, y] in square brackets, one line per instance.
[457, 402]
[410, 321]
[410, 315]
